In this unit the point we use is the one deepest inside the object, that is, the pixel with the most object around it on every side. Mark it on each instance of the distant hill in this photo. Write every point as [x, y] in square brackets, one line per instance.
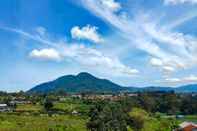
[187, 88]
[152, 88]
[85, 82]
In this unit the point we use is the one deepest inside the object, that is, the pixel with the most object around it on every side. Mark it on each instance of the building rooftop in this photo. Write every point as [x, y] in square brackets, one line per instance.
[185, 124]
[3, 105]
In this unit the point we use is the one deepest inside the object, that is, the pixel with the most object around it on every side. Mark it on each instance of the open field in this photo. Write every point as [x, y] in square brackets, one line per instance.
[11, 122]
[29, 107]
[32, 117]
[69, 107]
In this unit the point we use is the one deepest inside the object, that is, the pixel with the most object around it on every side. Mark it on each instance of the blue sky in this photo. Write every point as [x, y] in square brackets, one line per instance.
[131, 42]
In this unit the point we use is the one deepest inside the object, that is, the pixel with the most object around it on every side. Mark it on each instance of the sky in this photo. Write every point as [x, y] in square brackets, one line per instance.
[130, 42]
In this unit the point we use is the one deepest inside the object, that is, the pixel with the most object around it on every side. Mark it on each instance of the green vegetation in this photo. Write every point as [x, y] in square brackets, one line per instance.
[29, 107]
[145, 122]
[156, 111]
[111, 117]
[192, 118]
[69, 107]
[11, 122]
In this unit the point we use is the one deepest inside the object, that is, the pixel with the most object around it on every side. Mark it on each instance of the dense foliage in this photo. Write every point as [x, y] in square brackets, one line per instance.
[143, 112]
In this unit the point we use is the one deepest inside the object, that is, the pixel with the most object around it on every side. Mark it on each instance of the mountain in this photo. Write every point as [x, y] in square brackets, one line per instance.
[187, 88]
[181, 89]
[83, 82]
[153, 88]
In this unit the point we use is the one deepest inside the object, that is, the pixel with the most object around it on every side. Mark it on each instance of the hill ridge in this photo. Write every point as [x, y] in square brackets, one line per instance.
[86, 82]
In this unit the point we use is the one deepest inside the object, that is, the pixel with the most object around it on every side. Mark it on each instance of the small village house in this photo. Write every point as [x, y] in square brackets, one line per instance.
[4, 108]
[187, 126]
[19, 100]
[74, 112]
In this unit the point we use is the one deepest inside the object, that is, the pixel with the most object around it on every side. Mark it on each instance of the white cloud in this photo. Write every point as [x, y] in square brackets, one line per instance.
[156, 62]
[168, 69]
[180, 49]
[111, 5]
[175, 2]
[183, 80]
[45, 54]
[174, 50]
[132, 30]
[41, 30]
[93, 58]
[88, 32]
[166, 66]
[172, 80]
[34, 36]
[76, 52]
[182, 19]
[191, 78]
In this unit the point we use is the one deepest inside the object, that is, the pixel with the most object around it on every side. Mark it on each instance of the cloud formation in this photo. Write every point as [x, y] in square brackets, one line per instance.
[136, 38]
[111, 5]
[165, 66]
[93, 58]
[41, 30]
[175, 50]
[83, 55]
[88, 32]
[184, 80]
[46, 54]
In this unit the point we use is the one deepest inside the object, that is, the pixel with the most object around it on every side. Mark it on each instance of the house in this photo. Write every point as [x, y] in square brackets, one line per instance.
[132, 94]
[62, 99]
[74, 112]
[20, 102]
[4, 108]
[76, 96]
[106, 97]
[187, 126]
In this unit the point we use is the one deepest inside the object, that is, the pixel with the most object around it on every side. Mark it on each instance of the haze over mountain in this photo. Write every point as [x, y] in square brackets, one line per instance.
[85, 82]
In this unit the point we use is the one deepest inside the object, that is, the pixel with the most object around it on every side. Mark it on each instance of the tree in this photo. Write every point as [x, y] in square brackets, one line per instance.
[48, 105]
[107, 117]
[172, 104]
[147, 102]
[188, 105]
[138, 118]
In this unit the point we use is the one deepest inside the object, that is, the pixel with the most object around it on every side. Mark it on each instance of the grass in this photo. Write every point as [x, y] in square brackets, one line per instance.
[29, 117]
[69, 107]
[151, 123]
[11, 122]
[191, 118]
[29, 107]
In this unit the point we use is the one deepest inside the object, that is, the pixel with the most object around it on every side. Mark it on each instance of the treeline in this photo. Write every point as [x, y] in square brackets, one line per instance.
[169, 103]
[134, 112]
